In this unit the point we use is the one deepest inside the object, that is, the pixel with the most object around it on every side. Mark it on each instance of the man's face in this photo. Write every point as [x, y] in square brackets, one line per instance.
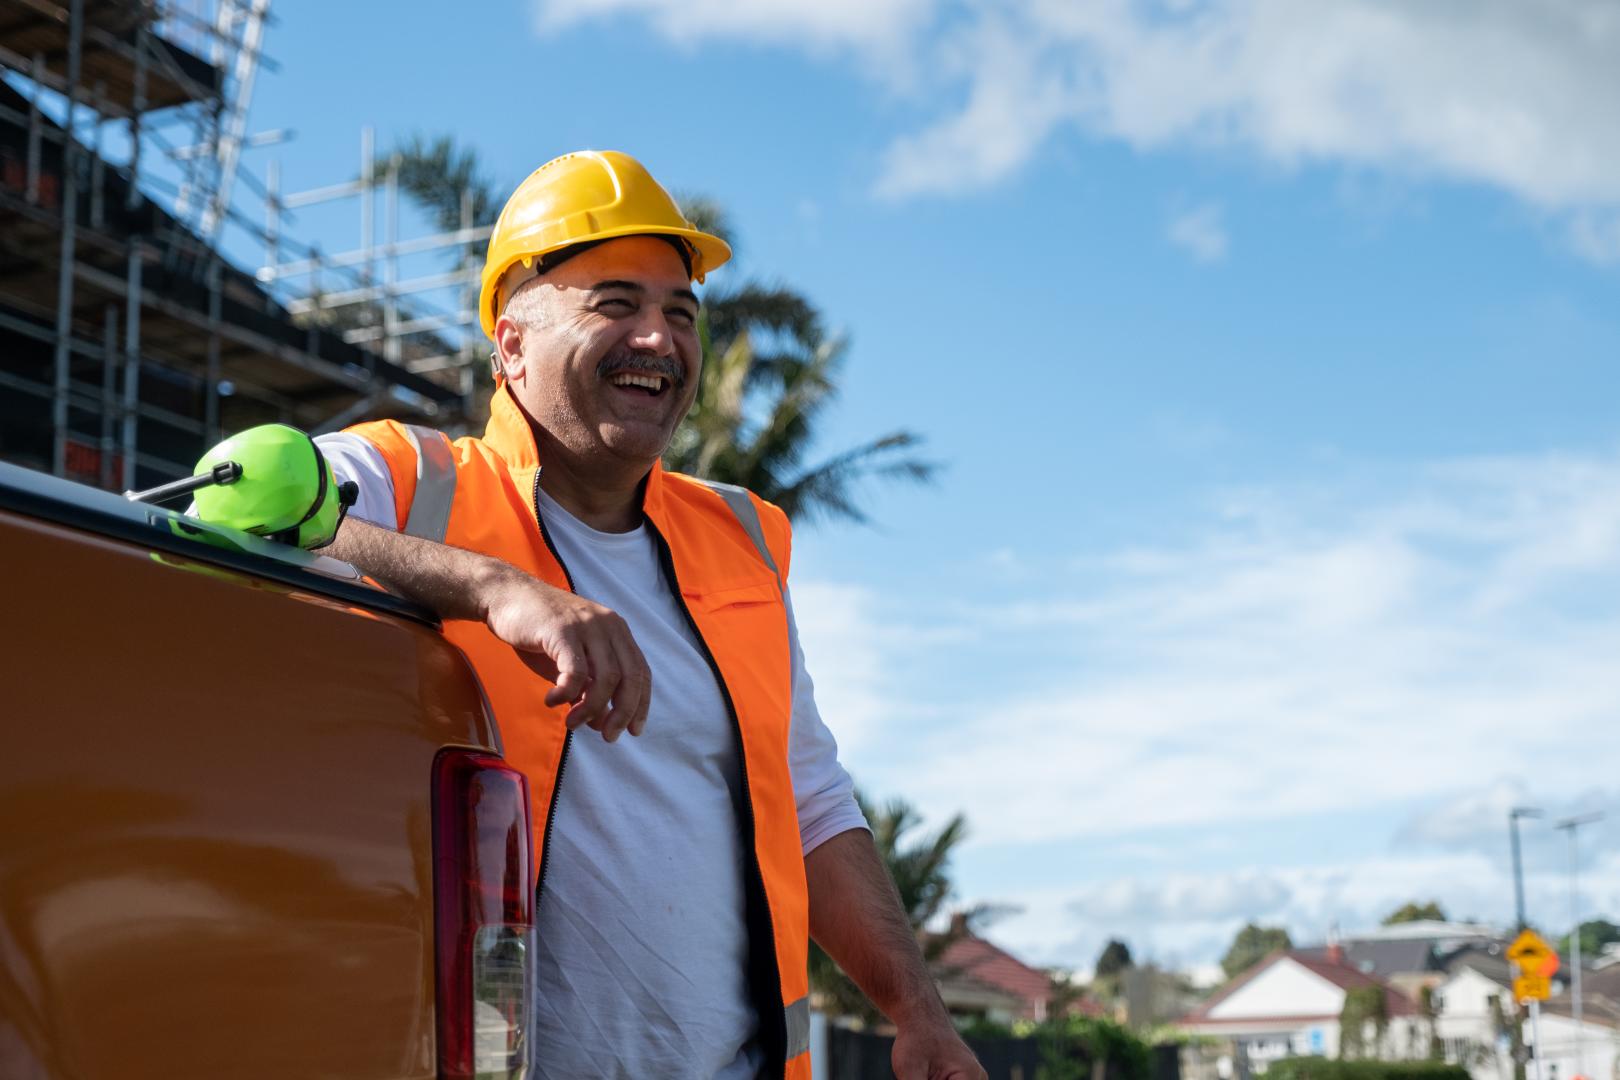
[603, 352]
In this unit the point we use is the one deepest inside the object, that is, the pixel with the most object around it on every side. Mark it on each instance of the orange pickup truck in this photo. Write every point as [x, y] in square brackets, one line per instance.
[253, 816]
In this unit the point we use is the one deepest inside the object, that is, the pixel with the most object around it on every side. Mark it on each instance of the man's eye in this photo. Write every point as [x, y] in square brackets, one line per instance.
[615, 306]
[682, 316]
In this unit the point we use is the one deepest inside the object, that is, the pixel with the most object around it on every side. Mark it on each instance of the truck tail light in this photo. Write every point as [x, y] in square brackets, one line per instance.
[483, 916]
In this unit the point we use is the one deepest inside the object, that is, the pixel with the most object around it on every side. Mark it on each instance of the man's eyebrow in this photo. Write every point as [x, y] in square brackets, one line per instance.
[631, 286]
[614, 283]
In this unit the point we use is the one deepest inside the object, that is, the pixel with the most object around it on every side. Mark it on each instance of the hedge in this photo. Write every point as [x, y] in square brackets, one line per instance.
[1317, 1068]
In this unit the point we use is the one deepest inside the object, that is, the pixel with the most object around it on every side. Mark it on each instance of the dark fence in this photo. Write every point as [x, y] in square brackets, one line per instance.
[862, 1055]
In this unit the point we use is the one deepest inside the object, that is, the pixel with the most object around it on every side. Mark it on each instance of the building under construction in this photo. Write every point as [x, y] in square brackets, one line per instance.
[128, 343]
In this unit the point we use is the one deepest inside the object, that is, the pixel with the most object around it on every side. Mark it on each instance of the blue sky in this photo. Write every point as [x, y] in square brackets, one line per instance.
[1271, 353]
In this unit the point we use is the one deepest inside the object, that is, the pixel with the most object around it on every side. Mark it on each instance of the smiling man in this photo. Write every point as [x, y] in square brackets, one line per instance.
[681, 871]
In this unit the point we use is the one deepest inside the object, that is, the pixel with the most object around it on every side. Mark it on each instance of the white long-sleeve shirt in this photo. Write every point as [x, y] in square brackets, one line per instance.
[642, 952]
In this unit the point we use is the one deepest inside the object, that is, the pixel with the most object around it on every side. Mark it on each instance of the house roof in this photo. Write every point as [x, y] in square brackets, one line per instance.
[1432, 930]
[975, 958]
[1600, 998]
[1384, 957]
[1337, 973]
[1487, 959]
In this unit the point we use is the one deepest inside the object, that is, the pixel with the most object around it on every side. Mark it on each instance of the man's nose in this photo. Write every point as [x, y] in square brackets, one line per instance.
[651, 333]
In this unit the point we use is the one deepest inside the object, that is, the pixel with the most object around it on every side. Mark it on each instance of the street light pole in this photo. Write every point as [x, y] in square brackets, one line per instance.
[1570, 825]
[1518, 870]
[1514, 815]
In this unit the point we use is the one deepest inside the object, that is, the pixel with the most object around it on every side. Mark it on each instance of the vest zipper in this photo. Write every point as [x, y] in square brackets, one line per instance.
[568, 737]
[771, 994]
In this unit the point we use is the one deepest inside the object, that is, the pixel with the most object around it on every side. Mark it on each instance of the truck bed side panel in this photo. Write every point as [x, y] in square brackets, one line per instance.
[214, 819]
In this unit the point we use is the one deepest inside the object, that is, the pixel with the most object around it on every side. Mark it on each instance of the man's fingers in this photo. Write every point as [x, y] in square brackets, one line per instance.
[594, 664]
[571, 686]
[639, 673]
[570, 670]
[631, 696]
[634, 691]
[590, 709]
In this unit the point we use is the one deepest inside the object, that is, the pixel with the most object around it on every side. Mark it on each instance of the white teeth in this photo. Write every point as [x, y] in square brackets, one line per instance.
[649, 382]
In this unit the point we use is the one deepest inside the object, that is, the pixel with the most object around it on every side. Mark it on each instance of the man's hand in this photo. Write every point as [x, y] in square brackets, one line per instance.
[583, 647]
[933, 1052]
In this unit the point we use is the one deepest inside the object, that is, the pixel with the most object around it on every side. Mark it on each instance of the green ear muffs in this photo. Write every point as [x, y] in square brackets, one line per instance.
[286, 490]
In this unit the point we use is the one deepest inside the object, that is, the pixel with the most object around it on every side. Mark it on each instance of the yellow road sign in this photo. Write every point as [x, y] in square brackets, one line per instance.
[1533, 955]
[1526, 987]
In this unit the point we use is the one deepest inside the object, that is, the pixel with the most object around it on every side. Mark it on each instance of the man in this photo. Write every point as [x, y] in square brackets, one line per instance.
[679, 870]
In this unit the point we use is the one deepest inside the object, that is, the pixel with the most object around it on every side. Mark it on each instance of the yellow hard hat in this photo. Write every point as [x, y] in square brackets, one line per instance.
[591, 195]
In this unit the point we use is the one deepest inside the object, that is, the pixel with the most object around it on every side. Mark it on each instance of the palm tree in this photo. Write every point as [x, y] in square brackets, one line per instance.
[920, 869]
[770, 370]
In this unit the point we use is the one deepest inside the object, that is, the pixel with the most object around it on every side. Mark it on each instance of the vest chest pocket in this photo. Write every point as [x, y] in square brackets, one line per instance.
[745, 627]
[747, 594]
[744, 623]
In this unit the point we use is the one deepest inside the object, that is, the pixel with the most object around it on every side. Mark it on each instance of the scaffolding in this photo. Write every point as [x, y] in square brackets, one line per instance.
[427, 323]
[130, 343]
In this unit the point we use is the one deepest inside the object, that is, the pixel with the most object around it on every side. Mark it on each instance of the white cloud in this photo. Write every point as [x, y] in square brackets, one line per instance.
[1245, 896]
[1012, 104]
[1476, 821]
[1513, 95]
[862, 24]
[840, 630]
[1187, 919]
[1441, 639]
[1596, 235]
[1308, 657]
[1200, 232]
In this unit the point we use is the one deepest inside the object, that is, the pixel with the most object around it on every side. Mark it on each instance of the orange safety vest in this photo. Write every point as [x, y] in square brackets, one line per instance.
[725, 556]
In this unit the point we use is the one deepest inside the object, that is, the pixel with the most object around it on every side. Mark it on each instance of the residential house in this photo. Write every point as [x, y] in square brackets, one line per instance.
[1411, 956]
[1474, 1008]
[1289, 1005]
[978, 978]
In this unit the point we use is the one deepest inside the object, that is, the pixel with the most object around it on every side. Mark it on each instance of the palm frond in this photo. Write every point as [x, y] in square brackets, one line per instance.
[920, 870]
[708, 215]
[776, 309]
[437, 174]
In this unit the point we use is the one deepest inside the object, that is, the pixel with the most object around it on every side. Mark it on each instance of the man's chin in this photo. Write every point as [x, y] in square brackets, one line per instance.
[634, 442]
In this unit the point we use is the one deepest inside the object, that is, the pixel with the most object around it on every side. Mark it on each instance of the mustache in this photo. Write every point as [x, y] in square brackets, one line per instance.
[630, 360]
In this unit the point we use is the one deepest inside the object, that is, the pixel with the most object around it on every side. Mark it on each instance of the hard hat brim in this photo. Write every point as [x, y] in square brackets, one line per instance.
[709, 252]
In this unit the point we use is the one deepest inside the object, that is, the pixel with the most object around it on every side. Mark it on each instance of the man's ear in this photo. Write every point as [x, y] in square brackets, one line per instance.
[509, 347]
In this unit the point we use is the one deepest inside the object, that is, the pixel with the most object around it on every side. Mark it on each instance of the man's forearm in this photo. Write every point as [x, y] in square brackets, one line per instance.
[584, 650]
[855, 915]
[450, 581]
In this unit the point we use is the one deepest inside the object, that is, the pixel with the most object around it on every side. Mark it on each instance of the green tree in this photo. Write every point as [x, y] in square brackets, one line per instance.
[1364, 1006]
[1252, 944]
[1436, 1048]
[1115, 957]
[1412, 911]
[770, 371]
[1595, 933]
[919, 866]
[1073, 1048]
[770, 368]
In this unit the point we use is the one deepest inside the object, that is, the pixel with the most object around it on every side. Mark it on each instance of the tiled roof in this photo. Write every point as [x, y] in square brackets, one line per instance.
[983, 962]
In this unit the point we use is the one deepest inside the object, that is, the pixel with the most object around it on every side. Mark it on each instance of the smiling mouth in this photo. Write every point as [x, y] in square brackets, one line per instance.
[640, 382]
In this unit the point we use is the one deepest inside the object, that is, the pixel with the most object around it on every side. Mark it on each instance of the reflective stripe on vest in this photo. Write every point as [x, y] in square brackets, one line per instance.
[435, 484]
[798, 1027]
[738, 500]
